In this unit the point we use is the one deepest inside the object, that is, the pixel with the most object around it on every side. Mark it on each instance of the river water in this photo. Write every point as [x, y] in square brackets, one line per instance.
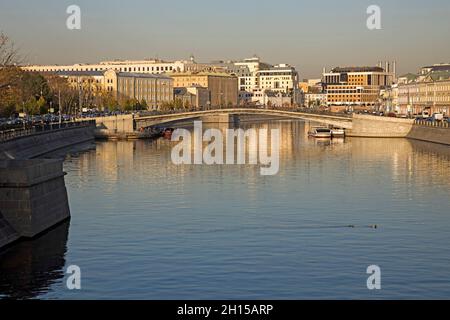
[144, 228]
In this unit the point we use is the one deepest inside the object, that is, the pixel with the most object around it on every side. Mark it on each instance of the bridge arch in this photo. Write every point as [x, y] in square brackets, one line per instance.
[148, 121]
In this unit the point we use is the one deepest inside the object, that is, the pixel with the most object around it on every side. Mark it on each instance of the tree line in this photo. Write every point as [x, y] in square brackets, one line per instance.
[34, 93]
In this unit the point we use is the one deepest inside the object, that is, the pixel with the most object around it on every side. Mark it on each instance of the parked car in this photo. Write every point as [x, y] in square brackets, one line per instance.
[437, 117]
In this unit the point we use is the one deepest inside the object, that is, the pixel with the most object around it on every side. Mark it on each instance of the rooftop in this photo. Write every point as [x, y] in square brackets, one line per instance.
[79, 73]
[356, 69]
[101, 73]
[201, 74]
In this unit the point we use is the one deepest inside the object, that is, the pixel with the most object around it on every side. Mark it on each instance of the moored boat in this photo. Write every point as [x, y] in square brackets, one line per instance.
[320, 132]
[338, 133]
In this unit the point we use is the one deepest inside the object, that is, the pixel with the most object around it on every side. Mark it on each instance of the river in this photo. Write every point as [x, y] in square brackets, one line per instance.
[144, 228]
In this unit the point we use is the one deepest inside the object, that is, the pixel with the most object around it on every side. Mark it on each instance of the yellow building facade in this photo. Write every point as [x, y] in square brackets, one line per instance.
[356, 87]
[431, 94]
[223, 87]
[155, 90]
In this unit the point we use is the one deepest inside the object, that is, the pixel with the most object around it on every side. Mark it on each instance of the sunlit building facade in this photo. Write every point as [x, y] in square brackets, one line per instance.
[223, 87]
[355, 88]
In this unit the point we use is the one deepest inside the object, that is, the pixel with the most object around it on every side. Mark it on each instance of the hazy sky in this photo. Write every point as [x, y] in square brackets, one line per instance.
[308, 34]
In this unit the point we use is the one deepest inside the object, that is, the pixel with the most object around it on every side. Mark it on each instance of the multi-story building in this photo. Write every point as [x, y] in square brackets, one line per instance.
[155, 90]
[152, 66]
[355, 88]
[440, 67]
[315, 99]
[255, 75]
[280, 78]
[223, 87]
[389, 99]
[192, 97]
[426, 92]
[312, 93]
[270, 98]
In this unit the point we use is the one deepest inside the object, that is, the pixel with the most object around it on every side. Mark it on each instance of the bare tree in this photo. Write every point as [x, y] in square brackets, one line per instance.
[9, 54]
[9, 59]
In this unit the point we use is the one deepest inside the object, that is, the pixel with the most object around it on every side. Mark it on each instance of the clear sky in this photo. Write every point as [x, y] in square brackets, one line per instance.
[308, 34]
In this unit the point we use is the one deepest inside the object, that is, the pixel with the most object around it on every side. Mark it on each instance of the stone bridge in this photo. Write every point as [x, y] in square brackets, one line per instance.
[224, 115]
[129, 126]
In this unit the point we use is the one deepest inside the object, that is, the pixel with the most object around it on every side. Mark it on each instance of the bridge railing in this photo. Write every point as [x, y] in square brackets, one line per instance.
[299, 110]
[435, 124]
[7, 135]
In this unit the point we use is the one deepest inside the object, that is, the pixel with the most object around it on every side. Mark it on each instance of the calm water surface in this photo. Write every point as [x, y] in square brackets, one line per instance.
[143, 228]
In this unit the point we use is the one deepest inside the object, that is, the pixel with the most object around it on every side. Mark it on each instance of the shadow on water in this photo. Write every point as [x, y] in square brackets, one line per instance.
[29, 268]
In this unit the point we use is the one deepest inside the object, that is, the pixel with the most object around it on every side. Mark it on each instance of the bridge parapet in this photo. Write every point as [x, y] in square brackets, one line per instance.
[146, 121]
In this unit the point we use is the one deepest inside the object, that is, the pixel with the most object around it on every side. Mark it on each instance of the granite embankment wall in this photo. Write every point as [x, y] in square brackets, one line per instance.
[380, 127]
[33, 195]
[430, 134]
[384, 127]
[39, 144]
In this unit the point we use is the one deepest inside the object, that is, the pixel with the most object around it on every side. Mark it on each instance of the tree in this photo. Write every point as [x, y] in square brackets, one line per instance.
[59, 87]
[143, 105]
[107, 101]
[41, 105]
[178, 104]
[167, 106]
[24, 88]
[9, 59]
[30, 106]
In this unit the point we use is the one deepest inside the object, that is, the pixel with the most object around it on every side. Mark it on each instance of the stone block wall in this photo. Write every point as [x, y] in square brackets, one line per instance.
[33, 196]
[39, 144]
[380, 127]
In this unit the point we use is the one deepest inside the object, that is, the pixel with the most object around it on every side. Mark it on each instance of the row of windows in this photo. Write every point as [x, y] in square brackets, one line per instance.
[273, 74]
[430, 100]
[121, 69]
[277, 78]
[73, 80]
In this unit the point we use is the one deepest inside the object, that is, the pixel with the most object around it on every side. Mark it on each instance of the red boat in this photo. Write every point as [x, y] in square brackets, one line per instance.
[167, 133]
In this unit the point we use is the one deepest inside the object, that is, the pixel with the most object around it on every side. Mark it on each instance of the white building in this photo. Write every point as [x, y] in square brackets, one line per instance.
[154, 66]
[256, 76]
[274, 99]
[281, 78]
[315, 99]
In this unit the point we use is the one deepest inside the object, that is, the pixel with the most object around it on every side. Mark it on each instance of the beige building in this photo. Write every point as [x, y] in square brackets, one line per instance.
[192, 97]
[150, 66]
[223, 87]
[154, 89]
[425, 94]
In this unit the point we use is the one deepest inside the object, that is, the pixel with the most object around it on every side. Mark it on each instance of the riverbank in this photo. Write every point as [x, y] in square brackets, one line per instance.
[33, 195]
[365, 126]
[40, 143]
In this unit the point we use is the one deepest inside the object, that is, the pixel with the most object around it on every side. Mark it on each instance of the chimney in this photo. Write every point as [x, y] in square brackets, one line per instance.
[394, 69]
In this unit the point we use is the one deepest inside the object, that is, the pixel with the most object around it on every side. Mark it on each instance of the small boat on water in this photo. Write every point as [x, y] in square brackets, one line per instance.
[320, 132]
[338, 133]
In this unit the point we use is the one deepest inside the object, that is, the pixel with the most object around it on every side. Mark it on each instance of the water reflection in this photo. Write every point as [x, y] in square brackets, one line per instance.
[144, 228]
[29, 268]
